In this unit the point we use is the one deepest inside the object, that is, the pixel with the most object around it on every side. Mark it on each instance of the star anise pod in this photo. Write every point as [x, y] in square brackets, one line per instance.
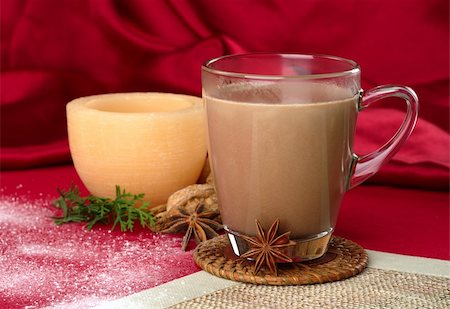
[199, 222]
[267, 248]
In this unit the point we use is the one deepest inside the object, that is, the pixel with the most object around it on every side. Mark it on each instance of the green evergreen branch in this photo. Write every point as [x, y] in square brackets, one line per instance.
[124, 210]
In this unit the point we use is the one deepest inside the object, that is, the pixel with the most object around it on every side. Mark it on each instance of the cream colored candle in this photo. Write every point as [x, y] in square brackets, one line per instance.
[152, 143]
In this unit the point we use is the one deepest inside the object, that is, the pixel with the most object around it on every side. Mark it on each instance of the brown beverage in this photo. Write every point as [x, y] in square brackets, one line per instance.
[281, 131]
[289, 161]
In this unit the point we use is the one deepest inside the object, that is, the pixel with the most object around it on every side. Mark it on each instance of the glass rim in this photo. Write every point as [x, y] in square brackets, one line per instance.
[354, 67]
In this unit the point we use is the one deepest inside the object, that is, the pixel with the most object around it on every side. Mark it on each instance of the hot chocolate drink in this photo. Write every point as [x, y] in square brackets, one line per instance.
[281, 130]
[281, 153]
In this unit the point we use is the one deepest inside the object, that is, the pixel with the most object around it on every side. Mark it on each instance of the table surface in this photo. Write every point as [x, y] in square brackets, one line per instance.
[406, 231]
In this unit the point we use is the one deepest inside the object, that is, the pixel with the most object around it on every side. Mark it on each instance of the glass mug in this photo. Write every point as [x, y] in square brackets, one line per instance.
[280, 138]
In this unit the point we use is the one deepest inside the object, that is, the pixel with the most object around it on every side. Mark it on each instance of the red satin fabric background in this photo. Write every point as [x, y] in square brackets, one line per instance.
[54, 51]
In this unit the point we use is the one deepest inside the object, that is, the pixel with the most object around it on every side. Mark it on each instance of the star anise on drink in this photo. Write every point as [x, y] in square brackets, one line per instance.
[200, 222]
[267, 248]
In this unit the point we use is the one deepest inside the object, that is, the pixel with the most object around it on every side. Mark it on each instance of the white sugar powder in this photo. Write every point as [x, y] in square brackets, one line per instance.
[44, 265]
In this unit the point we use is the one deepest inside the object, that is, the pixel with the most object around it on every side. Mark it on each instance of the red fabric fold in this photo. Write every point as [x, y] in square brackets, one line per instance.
[52, 153]
[423, 161]
[54, 51]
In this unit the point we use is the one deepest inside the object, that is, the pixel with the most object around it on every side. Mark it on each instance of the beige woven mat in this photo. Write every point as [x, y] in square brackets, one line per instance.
[373, 288]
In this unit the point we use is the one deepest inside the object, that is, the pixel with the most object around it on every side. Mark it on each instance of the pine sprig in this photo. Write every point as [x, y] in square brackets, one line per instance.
[123, 210]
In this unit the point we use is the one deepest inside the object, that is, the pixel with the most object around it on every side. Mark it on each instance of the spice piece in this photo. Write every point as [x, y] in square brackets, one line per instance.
[201, 223]
[193, 210]
[267, 248]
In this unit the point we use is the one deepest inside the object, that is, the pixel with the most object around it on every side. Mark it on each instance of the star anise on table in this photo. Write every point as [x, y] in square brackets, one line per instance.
[267, 248]
[199, 222]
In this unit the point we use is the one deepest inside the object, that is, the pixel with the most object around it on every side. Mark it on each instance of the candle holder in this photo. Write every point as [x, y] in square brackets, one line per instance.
[152, 143]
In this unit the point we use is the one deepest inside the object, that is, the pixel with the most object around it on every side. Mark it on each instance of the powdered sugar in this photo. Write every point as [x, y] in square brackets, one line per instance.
[66, 266]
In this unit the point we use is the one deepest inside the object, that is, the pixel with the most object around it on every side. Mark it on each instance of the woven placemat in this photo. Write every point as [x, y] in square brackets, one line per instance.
[373, 288]
[343, 259]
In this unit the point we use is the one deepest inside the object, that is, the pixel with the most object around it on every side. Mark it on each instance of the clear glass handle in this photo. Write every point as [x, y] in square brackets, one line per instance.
[365, 166]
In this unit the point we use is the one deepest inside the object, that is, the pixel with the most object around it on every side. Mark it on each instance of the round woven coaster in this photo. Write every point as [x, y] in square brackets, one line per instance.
[343, 259]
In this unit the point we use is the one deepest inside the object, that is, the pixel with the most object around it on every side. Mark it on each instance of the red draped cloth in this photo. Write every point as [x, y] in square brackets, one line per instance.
[53, 51]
